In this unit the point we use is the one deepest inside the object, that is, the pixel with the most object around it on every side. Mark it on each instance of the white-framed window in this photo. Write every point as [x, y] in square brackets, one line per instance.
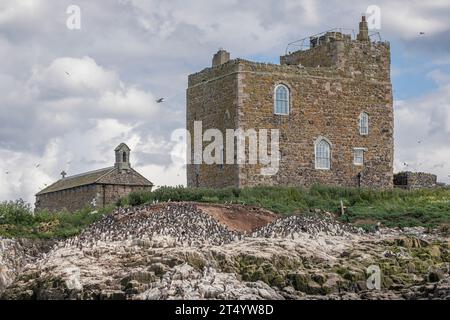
[323, 154]
[281, 100]
[358, 158]
[363, 124]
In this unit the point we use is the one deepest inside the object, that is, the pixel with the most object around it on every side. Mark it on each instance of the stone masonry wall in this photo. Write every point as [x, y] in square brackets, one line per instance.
[415, 180]
[325, 102]
[124, 177]
[354, 59]
[323, 55]
[82, 197]
[212, 99]
[70, 199]
[111, 193]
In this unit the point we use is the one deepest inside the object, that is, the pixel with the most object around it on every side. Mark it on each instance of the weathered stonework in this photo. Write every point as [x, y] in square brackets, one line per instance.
[330, 85]
[95, 189]
[415, 180]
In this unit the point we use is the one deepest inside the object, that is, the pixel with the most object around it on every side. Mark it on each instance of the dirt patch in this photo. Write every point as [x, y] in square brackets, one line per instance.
[238, 217]
[365, 221]
[235, 217]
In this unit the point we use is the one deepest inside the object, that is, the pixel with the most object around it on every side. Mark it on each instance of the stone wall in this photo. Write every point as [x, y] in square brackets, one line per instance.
[325, 102]
[415, 180]
[349, 58]
[70, 199]
[212, 98]
[81, 197]
[324, 56]
[124, 177]
[111, 193]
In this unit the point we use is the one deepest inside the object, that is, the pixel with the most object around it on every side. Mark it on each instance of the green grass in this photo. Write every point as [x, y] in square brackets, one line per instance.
[366, 207]
[395, 207]
[17, 219]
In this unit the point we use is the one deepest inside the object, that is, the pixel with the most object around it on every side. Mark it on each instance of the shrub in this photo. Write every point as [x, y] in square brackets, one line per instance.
[18, 220]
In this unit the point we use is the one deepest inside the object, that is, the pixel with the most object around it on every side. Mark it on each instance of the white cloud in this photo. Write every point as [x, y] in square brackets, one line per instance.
[23, 10]
[69, 77]
[440, 77]
[423, 131]
[407, 20]
[129, 102]
[77, 118]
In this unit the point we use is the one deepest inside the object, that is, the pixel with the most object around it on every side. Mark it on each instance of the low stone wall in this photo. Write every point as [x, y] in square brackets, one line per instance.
[415, 180]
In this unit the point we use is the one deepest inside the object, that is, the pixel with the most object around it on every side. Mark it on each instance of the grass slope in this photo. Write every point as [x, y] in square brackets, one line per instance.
[395, 207]
[366, 207]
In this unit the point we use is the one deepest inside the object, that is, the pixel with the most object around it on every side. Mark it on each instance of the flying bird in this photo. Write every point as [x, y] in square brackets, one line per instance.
[422, 33]
[419, 141]
[38, 165]
[67, 73]
[7, 172]
[160, 100]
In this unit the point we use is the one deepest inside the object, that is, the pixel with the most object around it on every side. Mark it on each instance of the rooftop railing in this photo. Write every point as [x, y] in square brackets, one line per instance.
[305, 43]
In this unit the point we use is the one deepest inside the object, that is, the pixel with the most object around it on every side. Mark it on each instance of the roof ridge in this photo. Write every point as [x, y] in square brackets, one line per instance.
[86, 173]
[78, 180]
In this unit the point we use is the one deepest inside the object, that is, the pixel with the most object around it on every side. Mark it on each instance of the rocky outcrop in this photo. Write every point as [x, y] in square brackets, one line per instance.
[16, 254]
[177, 251]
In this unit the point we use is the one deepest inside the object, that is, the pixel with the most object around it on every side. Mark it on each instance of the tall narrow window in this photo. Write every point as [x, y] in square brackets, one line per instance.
[359, 156]
[364, 124]
[281, 100]
[323, 154]
[124, 157]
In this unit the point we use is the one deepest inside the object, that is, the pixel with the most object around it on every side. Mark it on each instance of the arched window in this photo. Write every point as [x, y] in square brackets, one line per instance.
[323, 154]
[364, 124]
[124, 157]
[281, 100]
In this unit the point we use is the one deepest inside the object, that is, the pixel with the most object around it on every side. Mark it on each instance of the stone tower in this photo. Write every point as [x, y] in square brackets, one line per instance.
[337, 122]
[122, 157]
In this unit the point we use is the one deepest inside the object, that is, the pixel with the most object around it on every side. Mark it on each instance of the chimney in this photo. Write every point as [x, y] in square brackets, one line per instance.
[363, 34]
[221, 57]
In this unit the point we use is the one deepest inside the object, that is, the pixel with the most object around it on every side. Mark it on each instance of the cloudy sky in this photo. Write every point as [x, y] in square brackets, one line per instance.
[68, 97]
